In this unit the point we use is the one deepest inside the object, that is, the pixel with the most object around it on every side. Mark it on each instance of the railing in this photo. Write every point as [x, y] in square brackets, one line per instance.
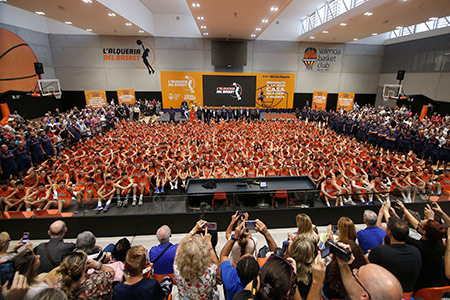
[431, 24]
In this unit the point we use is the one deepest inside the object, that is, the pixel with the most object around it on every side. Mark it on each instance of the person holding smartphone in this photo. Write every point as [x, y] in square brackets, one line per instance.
[4, 246]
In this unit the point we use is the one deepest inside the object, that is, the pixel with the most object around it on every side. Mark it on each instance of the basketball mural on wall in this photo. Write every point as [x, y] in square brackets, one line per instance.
[17, 60]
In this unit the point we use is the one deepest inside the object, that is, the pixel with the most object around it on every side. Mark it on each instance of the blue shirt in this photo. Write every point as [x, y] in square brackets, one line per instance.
[370, 237]
[231, 280]
[141, 290]
[164, 265]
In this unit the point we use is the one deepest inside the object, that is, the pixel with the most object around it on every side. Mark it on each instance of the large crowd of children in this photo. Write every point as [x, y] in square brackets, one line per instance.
[104, 155]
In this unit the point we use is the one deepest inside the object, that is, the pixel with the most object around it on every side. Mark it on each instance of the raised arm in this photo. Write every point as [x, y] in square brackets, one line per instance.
[229, 230]
[262, 228]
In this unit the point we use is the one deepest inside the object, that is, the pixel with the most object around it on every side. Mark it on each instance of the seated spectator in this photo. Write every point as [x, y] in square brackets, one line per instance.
[77, 284]
[163, 255]
[136, 286]
[86, 242]
[333, 287]
[119, 254]
[305, 228]
[247, 268]
[402, 260]
[431, 250]
[304, 251]
[372, 235]
[4, 246]
[51, 294]
[370, 281]
[52, 251]
[27, 264]
[246, 244]
[195, 266]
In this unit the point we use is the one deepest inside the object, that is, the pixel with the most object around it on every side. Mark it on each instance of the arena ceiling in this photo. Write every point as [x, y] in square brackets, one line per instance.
[237, 19]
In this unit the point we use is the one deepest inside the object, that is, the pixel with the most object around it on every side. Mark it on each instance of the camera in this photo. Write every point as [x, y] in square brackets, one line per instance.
[332, 247]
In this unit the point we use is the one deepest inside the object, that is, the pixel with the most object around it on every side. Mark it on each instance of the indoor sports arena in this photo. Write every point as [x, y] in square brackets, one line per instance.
[177, 149]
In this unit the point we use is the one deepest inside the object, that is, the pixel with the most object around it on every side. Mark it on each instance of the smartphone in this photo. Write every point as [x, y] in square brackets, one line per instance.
[25, 237]
[250, 225]
[211, 225]
[334, 229]
[7, 272]
[325, 252]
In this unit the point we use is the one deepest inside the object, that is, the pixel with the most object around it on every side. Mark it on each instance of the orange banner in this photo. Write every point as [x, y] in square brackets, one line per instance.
[424, 112]
[278, 90]
[177, 87]
[95, 99]
[319, 101]
[272, 90]
[126, 96]
[345, 101]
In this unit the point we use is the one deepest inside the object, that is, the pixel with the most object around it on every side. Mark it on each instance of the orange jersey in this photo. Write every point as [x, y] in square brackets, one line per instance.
[63, 194]
[5, 193]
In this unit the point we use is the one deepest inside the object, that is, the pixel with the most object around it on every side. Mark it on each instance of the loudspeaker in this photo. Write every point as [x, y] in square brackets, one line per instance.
[401, 74]
[39, 68]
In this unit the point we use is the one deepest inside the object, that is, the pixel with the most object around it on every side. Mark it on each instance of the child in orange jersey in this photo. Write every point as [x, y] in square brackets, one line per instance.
[63, 196]
[330, 191]
[5, 191]
[123, 188]
[39, 197]
[141, 186]
[17, 198]
[106, 191]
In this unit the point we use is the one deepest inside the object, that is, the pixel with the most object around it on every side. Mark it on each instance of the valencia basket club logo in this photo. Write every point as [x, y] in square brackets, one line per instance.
[310, 58]
[235, 90]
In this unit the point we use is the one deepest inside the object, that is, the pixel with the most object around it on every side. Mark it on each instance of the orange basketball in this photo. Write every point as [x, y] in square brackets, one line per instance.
[16, 63]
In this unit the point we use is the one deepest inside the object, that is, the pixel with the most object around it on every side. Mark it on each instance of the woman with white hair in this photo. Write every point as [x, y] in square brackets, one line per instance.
[196, 266]
[86, 242]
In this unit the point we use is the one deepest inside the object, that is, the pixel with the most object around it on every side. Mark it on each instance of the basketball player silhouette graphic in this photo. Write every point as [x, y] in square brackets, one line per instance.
[144, 57]
[237, 91]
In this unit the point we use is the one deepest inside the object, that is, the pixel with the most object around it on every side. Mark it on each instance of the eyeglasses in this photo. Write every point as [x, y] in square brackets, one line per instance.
[354, 273]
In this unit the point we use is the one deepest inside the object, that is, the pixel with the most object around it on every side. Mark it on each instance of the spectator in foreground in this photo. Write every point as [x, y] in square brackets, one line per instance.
[77, 284]
[56, 247]
[402, 260]
[372, 235]
[86, 242]
[163, 255]
[18, 289]
[369, 282]
[334, 287]
[431, 249]
[305, 227]
[27, 264]
[247, 268]
[136, 286]
[51, 294]
[4, 246]
[119, 254]
[196, 266]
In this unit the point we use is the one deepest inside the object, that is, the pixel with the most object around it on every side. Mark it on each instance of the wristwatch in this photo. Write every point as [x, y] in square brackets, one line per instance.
[234, 238]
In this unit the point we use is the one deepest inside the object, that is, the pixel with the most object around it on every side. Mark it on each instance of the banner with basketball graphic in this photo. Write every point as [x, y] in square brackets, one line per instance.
[177, 87]
[126, 96]
[319, 101]
[95, 99]
[345, 101]
[254, 90]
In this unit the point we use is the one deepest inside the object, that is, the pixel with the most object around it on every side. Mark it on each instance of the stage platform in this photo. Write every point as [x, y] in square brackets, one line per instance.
[173, 209]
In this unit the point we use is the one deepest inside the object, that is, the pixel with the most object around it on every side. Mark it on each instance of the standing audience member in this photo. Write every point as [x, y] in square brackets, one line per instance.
[52, 251]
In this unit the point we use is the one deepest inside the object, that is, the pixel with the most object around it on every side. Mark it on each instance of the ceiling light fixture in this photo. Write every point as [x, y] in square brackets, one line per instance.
[355, 39]
[3, 0]
[203, 27]
[258, 29]
[432, 19]
[374, 34]
[265, 20]
[128, 24]
[111, 14]
[196, 4]
[368, 13]
[273, 8]
[312, 37]
[325, 31]
[89, 29]
[253, 35]
[343, 24]
[68, 22]
[41, 13]
[205, 33]
[141, 31]
[87, 1]
[200, 18]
